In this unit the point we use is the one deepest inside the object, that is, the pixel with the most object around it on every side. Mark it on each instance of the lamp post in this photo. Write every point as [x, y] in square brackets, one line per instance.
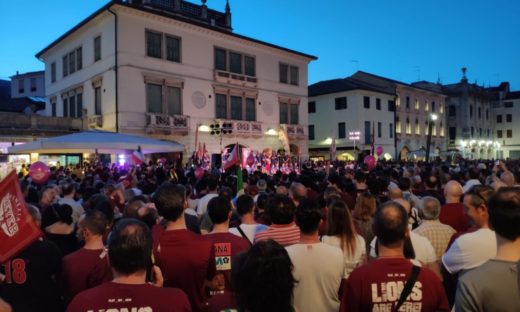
[431, 121]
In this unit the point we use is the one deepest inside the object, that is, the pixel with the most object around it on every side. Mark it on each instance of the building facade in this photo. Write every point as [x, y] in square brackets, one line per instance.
[415, 105]
[470, 125]
[507, 126]
[353, 115]
[171, 69]
[31, 84]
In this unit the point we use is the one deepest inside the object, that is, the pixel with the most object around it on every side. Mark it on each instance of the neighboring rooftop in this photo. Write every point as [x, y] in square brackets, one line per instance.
[345, 84]
[513, 95]
[34, 73]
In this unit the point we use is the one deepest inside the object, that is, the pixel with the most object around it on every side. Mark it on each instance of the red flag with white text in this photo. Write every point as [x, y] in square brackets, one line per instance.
[232, 158]
[17, 228]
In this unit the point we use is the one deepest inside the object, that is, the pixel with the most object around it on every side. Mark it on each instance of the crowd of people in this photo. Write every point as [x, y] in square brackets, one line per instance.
[333, 236]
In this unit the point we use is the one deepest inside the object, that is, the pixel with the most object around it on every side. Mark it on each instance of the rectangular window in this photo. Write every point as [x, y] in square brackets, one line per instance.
[221, 106]
[235, 63]
[499, 118]
[249, 66]
[366, 101]
[53, 72]
[33, 84]
[236, 108]
[312, 107]
[294, 114]
[452, 134]
[391, 130]
[509, 133]
[79, 102]
[391, 106]
[21, 86]
[53, 108]
[65, 65]
[341, 130]
[499, 134]
[72, 62]
[408, 102]
[379, 129]
[378, 104]
[452, 111]
[284, 113]
[341, 102]
[417, 106]
[294, 72]
[284, 71]
[97, 101]
[154, 96]
[433, 107]
[153, 44]
[97, 48]
[173, 49]
[65, 107]
[250, 109]
[72, 107]
[311, 132]
[509, 117]
[368, 136]
[79, 58]
[174, 100]
[508, 104]
[220, 59]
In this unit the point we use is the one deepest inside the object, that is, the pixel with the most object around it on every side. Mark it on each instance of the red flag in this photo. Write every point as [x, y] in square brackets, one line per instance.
[204, 151]
[137, 157]
[17, 228]
[232, 158]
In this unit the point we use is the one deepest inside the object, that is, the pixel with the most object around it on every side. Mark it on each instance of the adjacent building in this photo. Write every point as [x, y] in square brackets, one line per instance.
[507, 126]
[171, 69]
[355, 115]
[31, 84]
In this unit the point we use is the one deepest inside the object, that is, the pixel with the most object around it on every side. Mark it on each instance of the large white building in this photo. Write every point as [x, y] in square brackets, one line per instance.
[349, 111]
[507, 126]
[170, 69]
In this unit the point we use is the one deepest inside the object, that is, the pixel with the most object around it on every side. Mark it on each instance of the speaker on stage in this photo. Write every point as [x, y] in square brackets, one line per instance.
[216, 160]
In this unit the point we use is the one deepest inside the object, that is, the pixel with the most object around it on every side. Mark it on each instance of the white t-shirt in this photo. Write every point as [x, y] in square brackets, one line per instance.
[249, 229]
[470, 250]
[424, 250]
[202, 205]
[318, 268]
[351, 261]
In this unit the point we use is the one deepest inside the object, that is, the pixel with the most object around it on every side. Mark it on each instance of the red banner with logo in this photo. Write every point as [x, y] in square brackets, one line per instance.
[17, 228]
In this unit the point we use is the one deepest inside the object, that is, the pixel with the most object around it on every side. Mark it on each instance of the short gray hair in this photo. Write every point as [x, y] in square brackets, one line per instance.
[431, 208]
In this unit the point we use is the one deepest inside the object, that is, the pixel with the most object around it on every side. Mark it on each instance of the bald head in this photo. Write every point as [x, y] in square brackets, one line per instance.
[395, 193]
[390, 224]
[404, 203]
[507, 178]
[453, 192]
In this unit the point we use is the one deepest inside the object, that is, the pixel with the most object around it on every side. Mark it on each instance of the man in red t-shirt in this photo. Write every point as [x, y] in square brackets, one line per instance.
[87, 267]
[452, 213]
[130, 250]
[185, 258]
[377, 285]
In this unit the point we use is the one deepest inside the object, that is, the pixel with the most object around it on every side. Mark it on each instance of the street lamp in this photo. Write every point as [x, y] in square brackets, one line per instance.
[431, 121]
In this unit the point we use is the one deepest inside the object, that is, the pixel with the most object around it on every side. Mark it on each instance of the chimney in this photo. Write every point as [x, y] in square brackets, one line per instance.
[204, 10]
[464, 78]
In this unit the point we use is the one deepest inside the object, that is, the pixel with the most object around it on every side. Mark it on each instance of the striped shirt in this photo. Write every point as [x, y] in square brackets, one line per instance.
[283, 234]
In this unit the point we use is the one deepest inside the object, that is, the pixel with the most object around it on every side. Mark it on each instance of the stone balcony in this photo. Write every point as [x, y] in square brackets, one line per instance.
[235, 79]
[167, 124]
[295, 132]
[247, 128]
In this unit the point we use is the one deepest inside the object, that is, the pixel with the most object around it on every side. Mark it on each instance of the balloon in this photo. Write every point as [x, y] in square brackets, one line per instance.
[39, 172]
[379, 150]
[370, 161]
[199, 173]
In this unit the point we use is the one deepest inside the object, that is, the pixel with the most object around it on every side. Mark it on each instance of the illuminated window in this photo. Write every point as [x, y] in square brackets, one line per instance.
[416, 105]
[408, 126]
[417, 127]
[426, 106]
[397, 126]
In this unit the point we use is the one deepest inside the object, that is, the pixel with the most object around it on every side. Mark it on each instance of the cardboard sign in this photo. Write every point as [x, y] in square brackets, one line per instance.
[17, 228]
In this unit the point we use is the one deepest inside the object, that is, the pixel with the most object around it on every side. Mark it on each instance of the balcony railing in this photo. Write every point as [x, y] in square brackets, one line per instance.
[236, 79]
[167, 124]
[247, 128]
[295, 132]
[21, 122]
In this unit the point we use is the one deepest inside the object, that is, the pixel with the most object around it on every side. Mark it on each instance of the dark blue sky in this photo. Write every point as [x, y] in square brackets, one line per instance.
[405, 40]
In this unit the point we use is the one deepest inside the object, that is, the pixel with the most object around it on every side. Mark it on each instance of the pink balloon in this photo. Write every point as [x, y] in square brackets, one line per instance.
[370, 161]
[199, 173]
[39, 172]
[379, 150]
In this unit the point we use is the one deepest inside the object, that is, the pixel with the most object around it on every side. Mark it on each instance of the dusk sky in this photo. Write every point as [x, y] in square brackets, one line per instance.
[406, 40]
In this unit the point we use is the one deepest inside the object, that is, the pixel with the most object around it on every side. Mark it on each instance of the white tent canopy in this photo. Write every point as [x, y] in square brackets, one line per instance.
[103, 142]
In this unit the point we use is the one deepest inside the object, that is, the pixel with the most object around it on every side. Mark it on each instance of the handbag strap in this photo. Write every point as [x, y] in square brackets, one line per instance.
[408, 286]
[244, 235]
